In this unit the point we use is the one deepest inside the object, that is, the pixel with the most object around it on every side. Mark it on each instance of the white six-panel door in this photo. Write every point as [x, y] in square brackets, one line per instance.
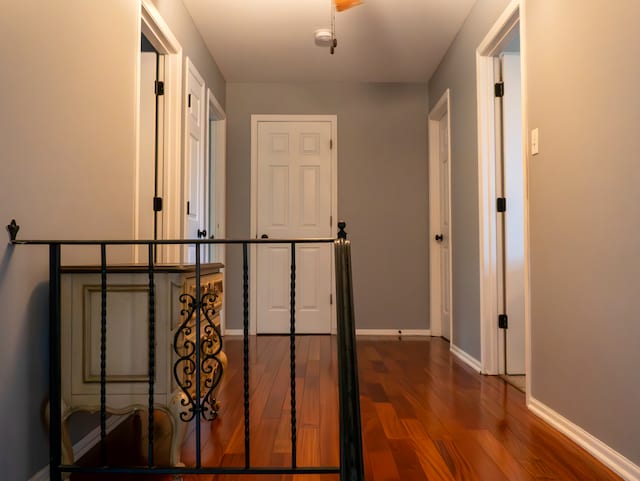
[294, 200]
[196, 172]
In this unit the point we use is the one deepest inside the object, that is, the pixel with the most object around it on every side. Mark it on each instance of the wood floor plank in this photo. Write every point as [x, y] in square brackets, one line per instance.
[512, 470]
[425, 416]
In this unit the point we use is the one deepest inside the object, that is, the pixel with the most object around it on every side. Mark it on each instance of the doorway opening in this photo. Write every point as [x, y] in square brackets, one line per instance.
[150, 128]
[503, 201]
[158, 157]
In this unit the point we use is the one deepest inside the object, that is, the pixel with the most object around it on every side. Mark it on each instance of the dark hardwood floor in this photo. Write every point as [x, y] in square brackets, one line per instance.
[425, 417]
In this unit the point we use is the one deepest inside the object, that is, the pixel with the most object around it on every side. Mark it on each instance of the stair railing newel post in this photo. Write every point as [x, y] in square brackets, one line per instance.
[351, 456]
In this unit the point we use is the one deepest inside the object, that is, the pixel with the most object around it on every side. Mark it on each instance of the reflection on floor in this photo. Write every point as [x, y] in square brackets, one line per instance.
[518, 381]
[426, 415]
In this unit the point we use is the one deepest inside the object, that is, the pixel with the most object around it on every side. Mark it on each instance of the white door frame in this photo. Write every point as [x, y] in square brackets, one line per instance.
[215, 113]
[492, 44]
[153, 26]
[443, 105]
[255, 119]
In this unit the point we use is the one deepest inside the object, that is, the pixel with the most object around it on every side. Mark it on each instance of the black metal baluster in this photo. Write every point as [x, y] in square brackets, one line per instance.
[103, 354]
[152, 354]
[292, 351]
[55, 403]
[245, 354]
[198, 405]
[351, 450]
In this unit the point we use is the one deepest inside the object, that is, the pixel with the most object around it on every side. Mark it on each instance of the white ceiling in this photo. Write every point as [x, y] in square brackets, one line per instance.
[378, 41]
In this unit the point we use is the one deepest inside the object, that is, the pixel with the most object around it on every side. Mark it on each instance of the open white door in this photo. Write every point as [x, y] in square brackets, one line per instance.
[294, 200]
[168, 146]
[513, 219]
[196, 168]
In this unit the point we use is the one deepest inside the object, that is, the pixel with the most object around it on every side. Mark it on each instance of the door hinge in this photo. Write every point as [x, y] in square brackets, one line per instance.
[330, 144]
[503, 321]
[331, 299]
[330, 221]
[159, 87]
[501, 204]
[499, 89]
[189, 100]
[157, 204]
[188, 207]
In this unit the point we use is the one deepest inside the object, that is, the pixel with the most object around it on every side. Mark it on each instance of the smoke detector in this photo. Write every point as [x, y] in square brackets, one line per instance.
[323, 37]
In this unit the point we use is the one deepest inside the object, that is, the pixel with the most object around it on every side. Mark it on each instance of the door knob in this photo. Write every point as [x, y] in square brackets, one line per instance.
[264, 236]
[202, 233]
[439, 237]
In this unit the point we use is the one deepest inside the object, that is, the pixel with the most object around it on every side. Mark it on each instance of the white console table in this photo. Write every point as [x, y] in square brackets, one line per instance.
[127, 346]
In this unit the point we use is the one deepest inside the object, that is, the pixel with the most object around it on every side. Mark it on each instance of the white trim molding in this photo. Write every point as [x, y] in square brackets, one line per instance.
[233, 332]
[216, 126]
[469, 360]
[83, 446]
[363, 332]
[599, 450]
[156, 30]
[394, 332]
[42, 475]
[491, 45]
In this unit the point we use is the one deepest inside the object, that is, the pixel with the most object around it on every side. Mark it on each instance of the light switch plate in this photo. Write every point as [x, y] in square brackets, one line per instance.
[534, 142]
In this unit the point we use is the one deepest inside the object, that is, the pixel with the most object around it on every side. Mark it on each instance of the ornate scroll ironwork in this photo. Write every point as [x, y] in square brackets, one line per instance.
[185, 367]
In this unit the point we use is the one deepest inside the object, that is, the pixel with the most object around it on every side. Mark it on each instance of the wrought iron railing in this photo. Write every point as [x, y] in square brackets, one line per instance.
[200, 358]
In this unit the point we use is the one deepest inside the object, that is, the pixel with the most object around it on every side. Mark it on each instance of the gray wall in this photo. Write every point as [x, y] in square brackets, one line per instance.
[382, 194]
[67, 161]
[457, 71]
[583, 189]
[585, 236]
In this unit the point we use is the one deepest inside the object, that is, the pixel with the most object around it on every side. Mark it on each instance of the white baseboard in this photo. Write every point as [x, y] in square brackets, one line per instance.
[233, 332]
[393, 332]
[83, 446]
[360, 332]
[466, 358]
[602, 452]
[42, 475]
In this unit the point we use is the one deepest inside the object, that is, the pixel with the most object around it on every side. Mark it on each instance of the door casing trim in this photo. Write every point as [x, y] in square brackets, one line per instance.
[485, 53]
[255, 119]
[170, 170]
[216, 114]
